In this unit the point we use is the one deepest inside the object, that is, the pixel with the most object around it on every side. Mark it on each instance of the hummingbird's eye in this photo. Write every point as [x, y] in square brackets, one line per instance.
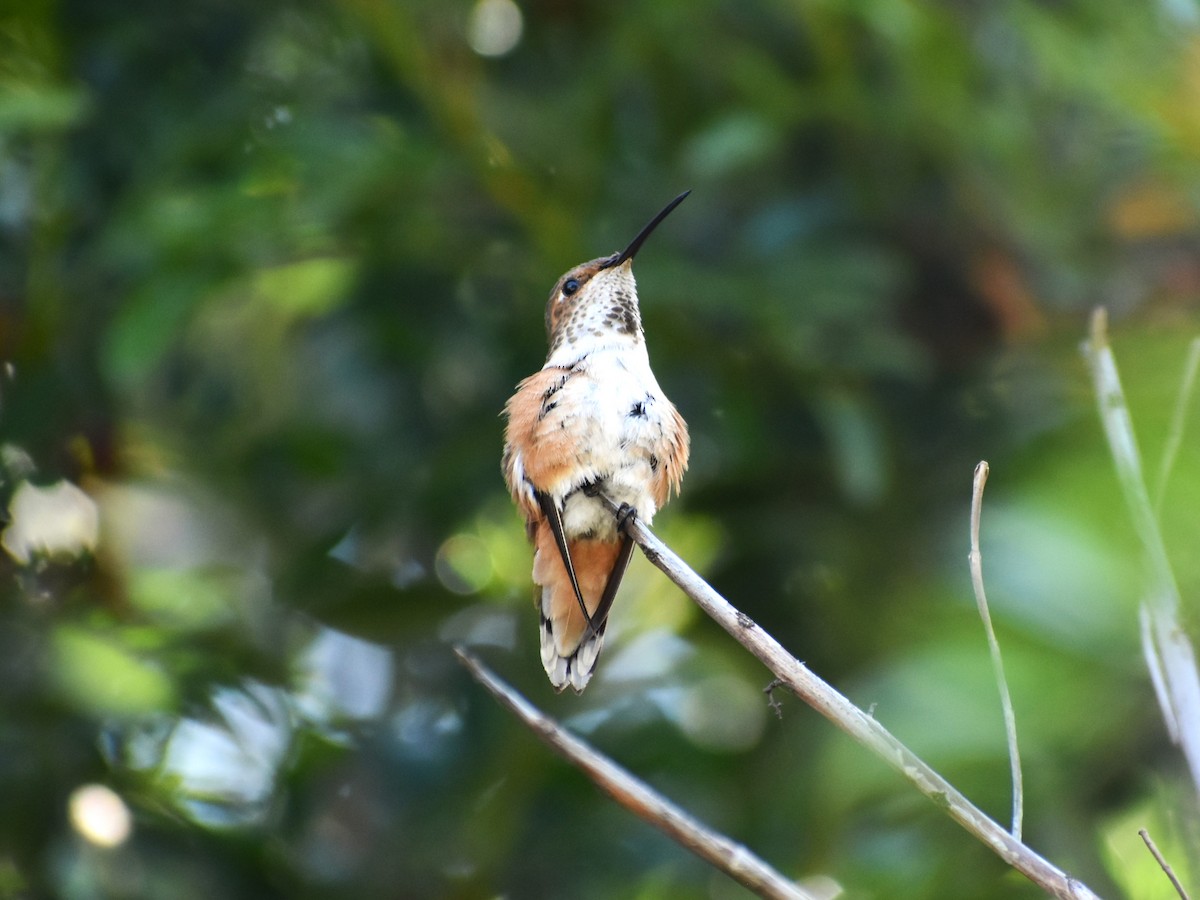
[570, 286]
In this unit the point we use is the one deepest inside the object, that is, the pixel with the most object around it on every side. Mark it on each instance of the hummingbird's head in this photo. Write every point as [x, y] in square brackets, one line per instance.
[598, 299]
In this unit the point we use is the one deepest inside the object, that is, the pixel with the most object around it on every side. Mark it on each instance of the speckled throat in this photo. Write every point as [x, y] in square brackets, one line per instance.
[606, 305]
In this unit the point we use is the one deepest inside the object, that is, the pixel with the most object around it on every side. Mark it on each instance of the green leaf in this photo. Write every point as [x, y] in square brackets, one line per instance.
[99, 676]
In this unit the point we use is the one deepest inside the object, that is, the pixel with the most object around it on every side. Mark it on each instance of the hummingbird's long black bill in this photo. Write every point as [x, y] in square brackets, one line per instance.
[636, 243]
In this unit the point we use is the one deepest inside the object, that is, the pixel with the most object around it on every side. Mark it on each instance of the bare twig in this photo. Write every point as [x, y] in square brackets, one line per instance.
[852, 720]
[639, 798]
[1170, 655]
[1178, 420]
[1163, 863]
[975, 559]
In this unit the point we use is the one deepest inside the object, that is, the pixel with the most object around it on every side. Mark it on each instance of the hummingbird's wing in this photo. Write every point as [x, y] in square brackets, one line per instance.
[570, 645]
[554, 520]
[614, 581]
[533, 454]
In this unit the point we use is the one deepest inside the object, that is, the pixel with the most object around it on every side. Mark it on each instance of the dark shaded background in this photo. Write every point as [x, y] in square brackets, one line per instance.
[268, 273]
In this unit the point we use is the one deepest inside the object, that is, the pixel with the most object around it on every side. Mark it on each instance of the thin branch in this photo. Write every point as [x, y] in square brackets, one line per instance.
[639, 798]
[1163, 863]
[852, 720]
[975, 560]
[1169, 650]
[1178, 420]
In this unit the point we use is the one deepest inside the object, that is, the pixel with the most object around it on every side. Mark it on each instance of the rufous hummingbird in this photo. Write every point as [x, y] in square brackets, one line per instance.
[592, 422]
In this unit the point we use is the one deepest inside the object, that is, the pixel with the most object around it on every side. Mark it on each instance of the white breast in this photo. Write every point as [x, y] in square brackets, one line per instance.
[618, 415]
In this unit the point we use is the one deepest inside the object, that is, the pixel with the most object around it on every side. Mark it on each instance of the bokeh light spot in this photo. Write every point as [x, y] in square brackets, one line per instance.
[464, 564]
[98, 672]
[343, 677]
[58, 521]
[723, 714]
[494, 27]
[99, 815]
[222, 771]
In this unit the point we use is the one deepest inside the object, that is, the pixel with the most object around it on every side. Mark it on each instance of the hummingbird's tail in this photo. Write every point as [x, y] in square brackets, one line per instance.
[569, 646]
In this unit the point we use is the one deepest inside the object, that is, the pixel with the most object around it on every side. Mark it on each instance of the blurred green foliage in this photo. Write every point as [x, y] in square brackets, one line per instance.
[268, 273]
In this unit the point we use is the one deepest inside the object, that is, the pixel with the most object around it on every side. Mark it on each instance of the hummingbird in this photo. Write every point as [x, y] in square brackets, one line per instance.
[592, 422]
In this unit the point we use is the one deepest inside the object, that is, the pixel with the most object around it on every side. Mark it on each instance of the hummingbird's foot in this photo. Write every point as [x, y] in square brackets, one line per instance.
[591, 488]
[625, 513]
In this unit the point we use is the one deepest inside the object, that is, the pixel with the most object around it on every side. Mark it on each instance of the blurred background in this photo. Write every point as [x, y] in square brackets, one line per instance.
[268, 273]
